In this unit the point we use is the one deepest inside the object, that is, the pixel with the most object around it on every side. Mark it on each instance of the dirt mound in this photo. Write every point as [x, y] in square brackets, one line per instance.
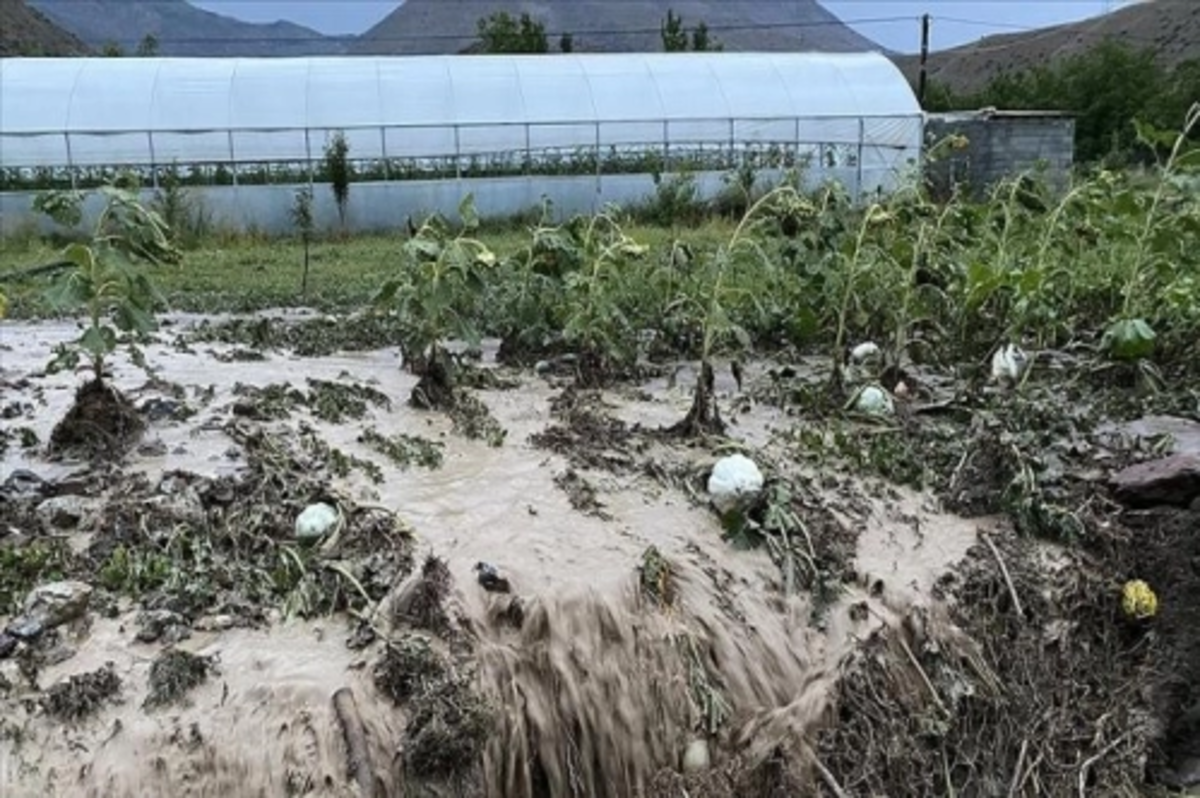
[102, 423]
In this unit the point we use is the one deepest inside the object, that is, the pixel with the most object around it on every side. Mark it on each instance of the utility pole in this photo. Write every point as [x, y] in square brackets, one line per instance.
[922, 76]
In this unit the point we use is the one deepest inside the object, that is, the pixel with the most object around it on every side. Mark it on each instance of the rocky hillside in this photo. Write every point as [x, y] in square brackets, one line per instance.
[24, 31]
[448, 26]
[182, 29]
[1170, 27]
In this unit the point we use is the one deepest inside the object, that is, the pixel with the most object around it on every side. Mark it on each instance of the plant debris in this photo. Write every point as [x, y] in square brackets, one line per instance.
[83, 694]
[405, 450]
[174, 673]
[408, 667]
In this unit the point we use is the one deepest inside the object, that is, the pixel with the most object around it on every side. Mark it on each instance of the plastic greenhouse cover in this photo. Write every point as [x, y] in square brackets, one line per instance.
[197, 110]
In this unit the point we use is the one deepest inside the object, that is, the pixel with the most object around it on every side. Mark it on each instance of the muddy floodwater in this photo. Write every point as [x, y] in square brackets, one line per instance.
[634, 649]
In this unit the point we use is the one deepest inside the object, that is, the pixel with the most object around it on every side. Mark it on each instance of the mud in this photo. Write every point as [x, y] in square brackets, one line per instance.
[853, 633]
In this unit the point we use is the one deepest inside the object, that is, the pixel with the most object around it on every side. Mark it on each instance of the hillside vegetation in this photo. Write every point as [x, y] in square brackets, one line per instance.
[25, 32]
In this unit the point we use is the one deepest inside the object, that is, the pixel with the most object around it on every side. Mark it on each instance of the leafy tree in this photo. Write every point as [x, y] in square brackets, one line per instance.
[1108, 89]
[302, 219]
[148, 46]
[566, 43]
[337, 167]
[112, 50]
[501, 33]
[675, 37]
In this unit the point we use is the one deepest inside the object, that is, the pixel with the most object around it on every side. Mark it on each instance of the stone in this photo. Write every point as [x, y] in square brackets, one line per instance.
[63, 512]
[162, 626]
[8, 644]
[1173, 480]
[56, 603]
[22, 483]
[25, 629]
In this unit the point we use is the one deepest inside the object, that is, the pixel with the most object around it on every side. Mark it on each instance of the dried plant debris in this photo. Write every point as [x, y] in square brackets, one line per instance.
[405, 450]
[409, 666]
[334, 402]
[657, 578]
[581, 493]
[448, 725]
[472, 419]
[174, 674]
[587, 435]
[83, 694]
[422, 604]
[308, 337]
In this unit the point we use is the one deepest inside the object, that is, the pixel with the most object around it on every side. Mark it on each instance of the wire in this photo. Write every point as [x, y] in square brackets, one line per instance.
[399, 38]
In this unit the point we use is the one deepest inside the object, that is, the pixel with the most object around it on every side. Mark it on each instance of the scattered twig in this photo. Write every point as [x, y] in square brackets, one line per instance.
[1012, 589]
[1087, 765]
[829, 779]
[1015, 784]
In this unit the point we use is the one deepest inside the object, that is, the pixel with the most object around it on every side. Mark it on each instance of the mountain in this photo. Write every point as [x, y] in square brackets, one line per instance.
[1170, 27]
[24, 31]
[449, 26]
[182, 29]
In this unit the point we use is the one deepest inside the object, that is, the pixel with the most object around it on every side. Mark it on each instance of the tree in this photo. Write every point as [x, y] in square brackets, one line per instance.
[566, 43]
[501, 33]
[148, 46]
[112, 50]
[337, 167]
[675, 37]
[1106, 88]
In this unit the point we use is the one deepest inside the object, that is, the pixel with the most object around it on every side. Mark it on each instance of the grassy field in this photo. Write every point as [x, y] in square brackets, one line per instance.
[244, 273]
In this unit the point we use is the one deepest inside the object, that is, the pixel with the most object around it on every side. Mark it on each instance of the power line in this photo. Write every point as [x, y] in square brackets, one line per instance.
[399, 38]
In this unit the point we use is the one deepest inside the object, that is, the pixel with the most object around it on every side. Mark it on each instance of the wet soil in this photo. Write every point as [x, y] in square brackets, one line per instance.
[922, 605]
[102, 423]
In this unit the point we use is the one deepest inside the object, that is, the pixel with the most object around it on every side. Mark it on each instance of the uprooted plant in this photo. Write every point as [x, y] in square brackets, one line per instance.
[105, 279]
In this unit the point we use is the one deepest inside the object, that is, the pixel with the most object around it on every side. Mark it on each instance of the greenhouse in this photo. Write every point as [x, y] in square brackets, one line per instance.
[583, 129]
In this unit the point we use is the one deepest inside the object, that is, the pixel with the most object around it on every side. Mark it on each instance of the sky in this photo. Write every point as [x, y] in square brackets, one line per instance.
[891, 23]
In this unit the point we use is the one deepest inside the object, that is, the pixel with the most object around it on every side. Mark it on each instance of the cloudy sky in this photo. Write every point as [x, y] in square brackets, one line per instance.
[892, 23]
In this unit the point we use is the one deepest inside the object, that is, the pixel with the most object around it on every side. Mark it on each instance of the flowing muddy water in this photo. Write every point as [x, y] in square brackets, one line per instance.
[599, 690]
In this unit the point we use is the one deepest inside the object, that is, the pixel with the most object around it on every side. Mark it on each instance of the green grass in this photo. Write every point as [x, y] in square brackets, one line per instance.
[248, 273]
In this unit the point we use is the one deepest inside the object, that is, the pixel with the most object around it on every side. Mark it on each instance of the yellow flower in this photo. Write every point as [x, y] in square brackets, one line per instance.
[1138, 600]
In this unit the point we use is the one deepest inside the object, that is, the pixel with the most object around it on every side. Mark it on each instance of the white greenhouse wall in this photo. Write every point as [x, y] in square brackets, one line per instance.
[379, 206]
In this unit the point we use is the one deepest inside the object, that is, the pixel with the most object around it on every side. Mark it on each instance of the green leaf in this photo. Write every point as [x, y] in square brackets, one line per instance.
[466, 210]
[1129, 339]
[98, 341]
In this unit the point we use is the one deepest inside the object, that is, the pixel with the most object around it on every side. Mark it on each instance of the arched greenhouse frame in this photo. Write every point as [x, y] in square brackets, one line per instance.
[582, 130]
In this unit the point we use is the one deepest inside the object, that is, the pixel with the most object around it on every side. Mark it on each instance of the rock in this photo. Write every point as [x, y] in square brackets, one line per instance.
[734, 479]
[317, 521]
[25, 629]
[154, 448]
[23, 483]
[8, 644]
[57, 603]
[1173, 480]
[865, 363]
[491, 579]
[63, 512]
[162, 626]
[696, 758]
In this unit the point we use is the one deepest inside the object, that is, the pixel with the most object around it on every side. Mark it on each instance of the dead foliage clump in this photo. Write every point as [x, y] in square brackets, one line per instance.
[448, 725]
[175, 673]
[100, 424]
[408, 667]
[82, 694]
[587, 435]
[190, 544]
[1165, 552]
[405, 450]
[656, 576]
[581, 493]
[316, 337]
[422, 604]
[1047, 700]
[330, 401]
